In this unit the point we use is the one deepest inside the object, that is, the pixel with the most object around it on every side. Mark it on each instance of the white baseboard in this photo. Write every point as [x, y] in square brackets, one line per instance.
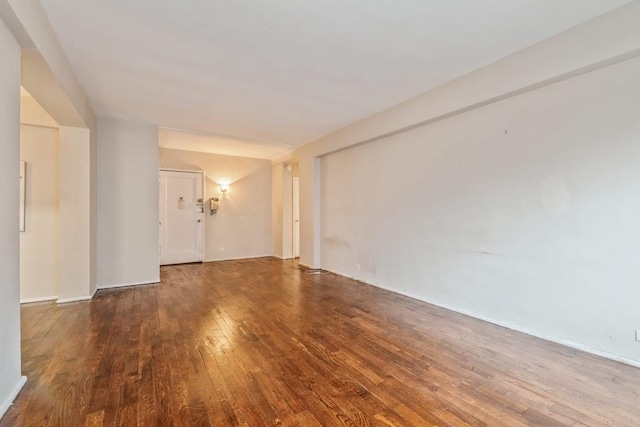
[282, 258]
[124, 285]
[536, 334]
[308, 267]
[508, 325]
[239, 258]
[40, 299]
[74, 299]
[4, 406]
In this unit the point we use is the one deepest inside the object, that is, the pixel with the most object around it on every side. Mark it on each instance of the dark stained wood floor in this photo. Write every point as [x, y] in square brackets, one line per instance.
[256, 342]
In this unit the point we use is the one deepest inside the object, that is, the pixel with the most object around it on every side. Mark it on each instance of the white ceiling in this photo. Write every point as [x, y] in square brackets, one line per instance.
[282, 73]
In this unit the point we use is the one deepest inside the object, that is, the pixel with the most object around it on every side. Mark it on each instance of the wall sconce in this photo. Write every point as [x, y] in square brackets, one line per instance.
[224, 188]
[214, 205]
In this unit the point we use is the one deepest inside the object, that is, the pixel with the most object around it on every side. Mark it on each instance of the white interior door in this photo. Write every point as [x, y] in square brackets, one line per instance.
[296, 217]
[181, 217]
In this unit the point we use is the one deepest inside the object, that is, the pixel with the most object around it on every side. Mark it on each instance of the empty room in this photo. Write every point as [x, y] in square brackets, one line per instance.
[330, 213]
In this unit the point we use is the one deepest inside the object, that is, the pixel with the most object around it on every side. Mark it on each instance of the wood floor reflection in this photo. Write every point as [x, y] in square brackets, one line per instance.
[257, 342]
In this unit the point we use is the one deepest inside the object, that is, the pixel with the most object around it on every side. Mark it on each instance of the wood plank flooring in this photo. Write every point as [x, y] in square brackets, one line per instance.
[257, 342]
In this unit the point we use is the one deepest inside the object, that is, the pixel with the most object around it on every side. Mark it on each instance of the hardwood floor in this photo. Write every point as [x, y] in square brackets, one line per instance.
[257, 342]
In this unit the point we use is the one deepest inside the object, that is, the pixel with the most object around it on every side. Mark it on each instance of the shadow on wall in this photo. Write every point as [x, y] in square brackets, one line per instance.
[218, 169]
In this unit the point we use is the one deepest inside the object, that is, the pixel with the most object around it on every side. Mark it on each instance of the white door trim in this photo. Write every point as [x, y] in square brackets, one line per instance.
[181, 170]
[296, 216]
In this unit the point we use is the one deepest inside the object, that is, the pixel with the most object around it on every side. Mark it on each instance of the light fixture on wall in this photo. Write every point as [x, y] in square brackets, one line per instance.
[224, 188]
[214, 205]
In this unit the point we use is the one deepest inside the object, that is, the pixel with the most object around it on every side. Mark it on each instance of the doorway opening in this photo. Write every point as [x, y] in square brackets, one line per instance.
[39, 202]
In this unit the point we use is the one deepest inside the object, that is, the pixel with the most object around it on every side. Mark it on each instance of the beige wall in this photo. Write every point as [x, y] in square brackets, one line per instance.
[56, 249]
[242, 226]
[32, 113]
[39, 241]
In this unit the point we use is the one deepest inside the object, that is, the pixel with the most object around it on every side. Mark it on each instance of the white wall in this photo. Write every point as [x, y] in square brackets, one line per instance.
[506, 229]
[48, 76]
[74, 173]
[51, 77]
[242, 226]
[287, 212]
[93, 207]
[277, 206]
[610, 38]
[10, 379]
[39, 241]
[52, 82]
[525, 211]
[127, 249]
[282, 208]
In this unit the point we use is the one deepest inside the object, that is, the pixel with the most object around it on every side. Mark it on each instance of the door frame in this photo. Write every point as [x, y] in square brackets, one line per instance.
[198, 196]
[295, 217]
